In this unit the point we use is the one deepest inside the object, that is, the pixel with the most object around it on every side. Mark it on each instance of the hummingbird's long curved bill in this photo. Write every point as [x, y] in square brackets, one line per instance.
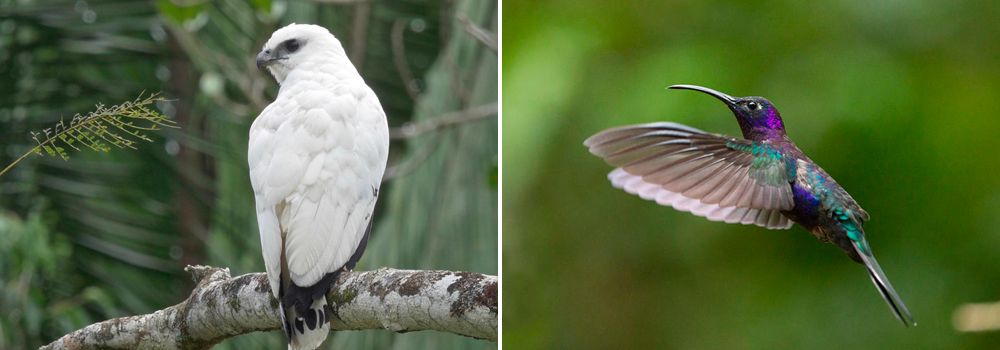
[729, 100]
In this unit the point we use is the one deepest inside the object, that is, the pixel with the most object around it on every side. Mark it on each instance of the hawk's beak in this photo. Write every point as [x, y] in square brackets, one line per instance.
[265, 58]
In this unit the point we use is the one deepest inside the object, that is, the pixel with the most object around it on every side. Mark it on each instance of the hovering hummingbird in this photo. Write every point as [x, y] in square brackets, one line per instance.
[761, 179]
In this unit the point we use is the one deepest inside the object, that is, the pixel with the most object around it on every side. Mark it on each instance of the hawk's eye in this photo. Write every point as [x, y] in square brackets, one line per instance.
[292, 45]
[753, 105]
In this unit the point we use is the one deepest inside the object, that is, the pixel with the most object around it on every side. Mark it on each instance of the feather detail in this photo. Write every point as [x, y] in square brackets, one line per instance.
[882, 284]
[768, 218]
[310, 329]
[709, 168]
[316, 155]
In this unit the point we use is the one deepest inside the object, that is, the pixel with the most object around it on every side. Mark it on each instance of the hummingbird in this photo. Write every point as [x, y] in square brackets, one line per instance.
[762, 179]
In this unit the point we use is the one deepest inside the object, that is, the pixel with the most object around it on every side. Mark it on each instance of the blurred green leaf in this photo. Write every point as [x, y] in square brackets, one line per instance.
[182, 12]
[493, 176]
[263, 6]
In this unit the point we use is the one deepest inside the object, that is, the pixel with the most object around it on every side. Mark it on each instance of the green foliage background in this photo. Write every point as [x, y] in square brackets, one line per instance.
[107, 235]
[895, 99]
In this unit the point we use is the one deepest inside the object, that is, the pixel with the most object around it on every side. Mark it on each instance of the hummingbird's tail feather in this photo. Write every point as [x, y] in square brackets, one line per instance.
[884, 287]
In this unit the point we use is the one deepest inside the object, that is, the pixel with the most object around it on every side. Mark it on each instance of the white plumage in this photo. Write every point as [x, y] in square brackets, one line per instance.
[317, 155]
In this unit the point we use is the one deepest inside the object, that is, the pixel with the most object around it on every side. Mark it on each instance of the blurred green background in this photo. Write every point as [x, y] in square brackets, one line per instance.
[107, 235]
[897, 100]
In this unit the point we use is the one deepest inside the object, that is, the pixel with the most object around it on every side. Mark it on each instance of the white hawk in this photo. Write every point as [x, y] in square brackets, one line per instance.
[317, 155]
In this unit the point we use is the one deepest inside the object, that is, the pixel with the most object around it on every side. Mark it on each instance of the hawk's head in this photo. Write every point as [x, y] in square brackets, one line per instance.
[295, 44]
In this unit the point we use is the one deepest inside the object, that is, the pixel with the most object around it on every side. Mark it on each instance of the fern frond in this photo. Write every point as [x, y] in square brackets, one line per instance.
[106, 128]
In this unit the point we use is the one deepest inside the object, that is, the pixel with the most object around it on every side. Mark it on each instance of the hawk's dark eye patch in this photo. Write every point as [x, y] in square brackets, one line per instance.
[291, 45]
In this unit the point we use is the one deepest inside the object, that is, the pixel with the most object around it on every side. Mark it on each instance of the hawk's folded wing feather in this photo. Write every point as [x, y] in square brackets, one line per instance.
[316, 179]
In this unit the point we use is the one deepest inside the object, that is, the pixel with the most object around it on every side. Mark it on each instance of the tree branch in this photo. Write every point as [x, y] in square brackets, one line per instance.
[221, 307]
[485, 37]
[470, 115]
[399, 59]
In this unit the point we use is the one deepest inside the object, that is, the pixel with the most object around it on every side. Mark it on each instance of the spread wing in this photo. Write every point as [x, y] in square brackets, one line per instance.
[719, 178]
[316, 163]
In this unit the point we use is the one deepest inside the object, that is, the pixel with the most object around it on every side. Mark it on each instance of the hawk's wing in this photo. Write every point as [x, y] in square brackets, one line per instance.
[720, 178]
[316, 163]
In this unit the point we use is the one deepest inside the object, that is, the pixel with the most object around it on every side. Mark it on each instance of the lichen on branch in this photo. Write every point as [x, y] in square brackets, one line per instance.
[221, 307]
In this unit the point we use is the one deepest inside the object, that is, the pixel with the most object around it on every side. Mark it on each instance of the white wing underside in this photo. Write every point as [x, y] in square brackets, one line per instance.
[316, 162]
[768, 218]
[712, 176]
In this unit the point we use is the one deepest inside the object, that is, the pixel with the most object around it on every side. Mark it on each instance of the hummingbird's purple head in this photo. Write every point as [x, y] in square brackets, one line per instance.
[758, 117]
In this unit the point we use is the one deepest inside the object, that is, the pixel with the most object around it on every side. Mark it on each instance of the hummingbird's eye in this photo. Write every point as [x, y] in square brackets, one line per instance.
[753, 105]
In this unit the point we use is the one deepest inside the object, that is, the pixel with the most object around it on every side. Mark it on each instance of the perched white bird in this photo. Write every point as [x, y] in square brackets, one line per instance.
[317, 155]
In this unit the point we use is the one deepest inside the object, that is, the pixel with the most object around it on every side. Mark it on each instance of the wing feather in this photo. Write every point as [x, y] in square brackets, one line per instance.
[324, 160]
[680, 158]
[720, 178]
[712, 211]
